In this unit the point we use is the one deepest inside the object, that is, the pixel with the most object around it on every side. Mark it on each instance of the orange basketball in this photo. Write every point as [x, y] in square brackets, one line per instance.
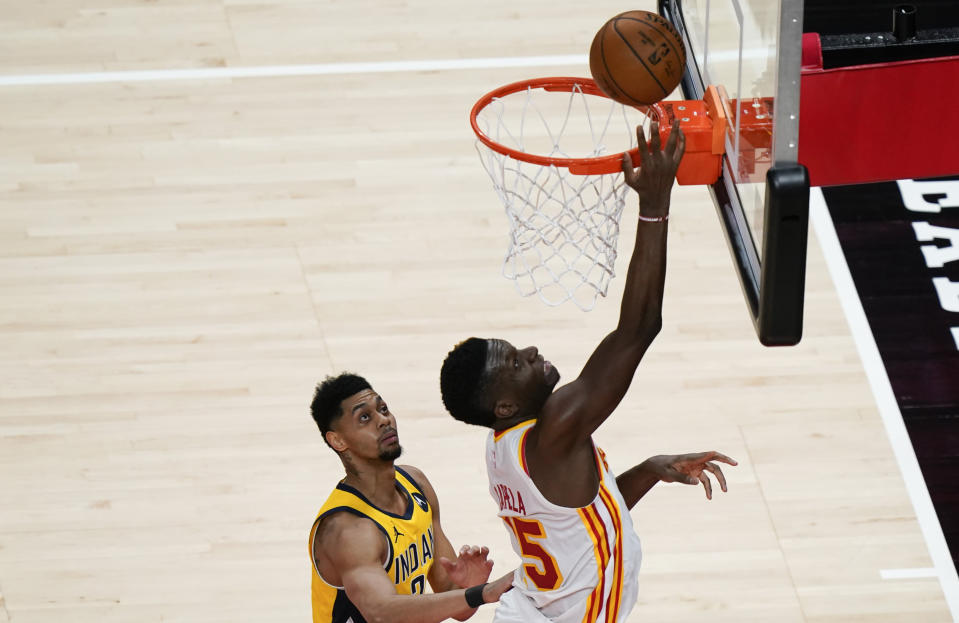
[637, 58]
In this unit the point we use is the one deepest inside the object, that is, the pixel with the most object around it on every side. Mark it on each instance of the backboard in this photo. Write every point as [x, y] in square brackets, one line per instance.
[752, 49]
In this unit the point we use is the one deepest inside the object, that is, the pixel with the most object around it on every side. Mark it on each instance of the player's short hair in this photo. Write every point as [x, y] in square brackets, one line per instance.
[463, 383]
[327, 401]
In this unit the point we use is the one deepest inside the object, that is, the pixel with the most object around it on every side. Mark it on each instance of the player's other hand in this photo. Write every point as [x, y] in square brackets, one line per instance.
[493, 590]
[470, 568]
[690, 469]
[653, 180]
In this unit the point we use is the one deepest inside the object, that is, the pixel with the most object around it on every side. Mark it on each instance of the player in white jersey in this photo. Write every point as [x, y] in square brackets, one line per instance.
[567, 514]
[589, 569]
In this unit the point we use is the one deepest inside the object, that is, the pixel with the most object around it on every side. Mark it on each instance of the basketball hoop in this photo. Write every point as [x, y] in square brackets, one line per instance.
[562, 186]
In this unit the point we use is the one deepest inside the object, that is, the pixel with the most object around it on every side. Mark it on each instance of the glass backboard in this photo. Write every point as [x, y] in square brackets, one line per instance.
[752, 50]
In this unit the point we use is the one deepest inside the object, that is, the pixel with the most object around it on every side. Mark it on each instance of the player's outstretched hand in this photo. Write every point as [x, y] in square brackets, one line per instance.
[690, 469]
[653, 180]
[470, 568]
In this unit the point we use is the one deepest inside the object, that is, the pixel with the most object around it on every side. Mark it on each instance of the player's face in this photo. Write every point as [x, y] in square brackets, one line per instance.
[523, 373]
[368, 427]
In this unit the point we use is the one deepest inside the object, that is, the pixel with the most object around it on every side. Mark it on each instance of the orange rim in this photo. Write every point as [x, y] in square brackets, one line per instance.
[598, 165]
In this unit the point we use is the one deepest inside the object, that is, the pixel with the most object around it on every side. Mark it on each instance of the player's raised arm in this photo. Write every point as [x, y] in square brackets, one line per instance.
[581, 406]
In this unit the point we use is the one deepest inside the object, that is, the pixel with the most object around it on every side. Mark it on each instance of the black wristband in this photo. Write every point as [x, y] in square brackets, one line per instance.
[474, 596]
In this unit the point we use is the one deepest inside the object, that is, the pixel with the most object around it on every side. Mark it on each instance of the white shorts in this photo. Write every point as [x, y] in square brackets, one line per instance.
[515, 607]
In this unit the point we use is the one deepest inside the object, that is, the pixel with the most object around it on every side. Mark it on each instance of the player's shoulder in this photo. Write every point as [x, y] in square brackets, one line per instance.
[345, 540]
[561, 420]
[420, 481]
[343, 525]
[415, 474]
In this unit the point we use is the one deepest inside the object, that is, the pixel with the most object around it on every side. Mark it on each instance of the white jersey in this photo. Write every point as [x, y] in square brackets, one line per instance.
[580, 565]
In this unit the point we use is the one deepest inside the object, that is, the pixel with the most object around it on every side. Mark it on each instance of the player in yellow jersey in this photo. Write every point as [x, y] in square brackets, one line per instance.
[566, 513]
[377, 539]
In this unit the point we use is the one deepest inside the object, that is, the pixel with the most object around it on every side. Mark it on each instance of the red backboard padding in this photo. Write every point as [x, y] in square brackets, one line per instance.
[871, 123]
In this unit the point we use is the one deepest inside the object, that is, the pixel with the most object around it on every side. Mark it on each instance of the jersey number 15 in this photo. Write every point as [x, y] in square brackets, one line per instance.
[545, 573]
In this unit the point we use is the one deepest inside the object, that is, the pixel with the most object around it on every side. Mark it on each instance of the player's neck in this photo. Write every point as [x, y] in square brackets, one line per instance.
[502, 424]
[376, 480]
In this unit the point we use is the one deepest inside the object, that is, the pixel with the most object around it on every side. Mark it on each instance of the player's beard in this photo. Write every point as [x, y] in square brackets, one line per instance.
[391, 454]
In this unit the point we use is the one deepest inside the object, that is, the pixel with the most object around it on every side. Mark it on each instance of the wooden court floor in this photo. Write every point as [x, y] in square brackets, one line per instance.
[182, 259]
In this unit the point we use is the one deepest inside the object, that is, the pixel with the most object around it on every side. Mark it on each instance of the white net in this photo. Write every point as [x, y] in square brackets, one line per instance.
[564, 227]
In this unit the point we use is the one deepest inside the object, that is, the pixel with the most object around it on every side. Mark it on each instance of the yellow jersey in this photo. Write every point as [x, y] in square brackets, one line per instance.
[409, 539]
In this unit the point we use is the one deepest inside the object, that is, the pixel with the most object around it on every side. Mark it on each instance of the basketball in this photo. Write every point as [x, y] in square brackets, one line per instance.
[637, 58]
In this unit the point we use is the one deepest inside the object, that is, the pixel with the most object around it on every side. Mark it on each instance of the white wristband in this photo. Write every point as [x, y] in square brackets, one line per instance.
[654, 219]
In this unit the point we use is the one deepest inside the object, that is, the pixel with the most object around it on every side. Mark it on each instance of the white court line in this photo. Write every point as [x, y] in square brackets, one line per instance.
[885, 401]
[273, 71]
[325, 69]
[908, 574]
